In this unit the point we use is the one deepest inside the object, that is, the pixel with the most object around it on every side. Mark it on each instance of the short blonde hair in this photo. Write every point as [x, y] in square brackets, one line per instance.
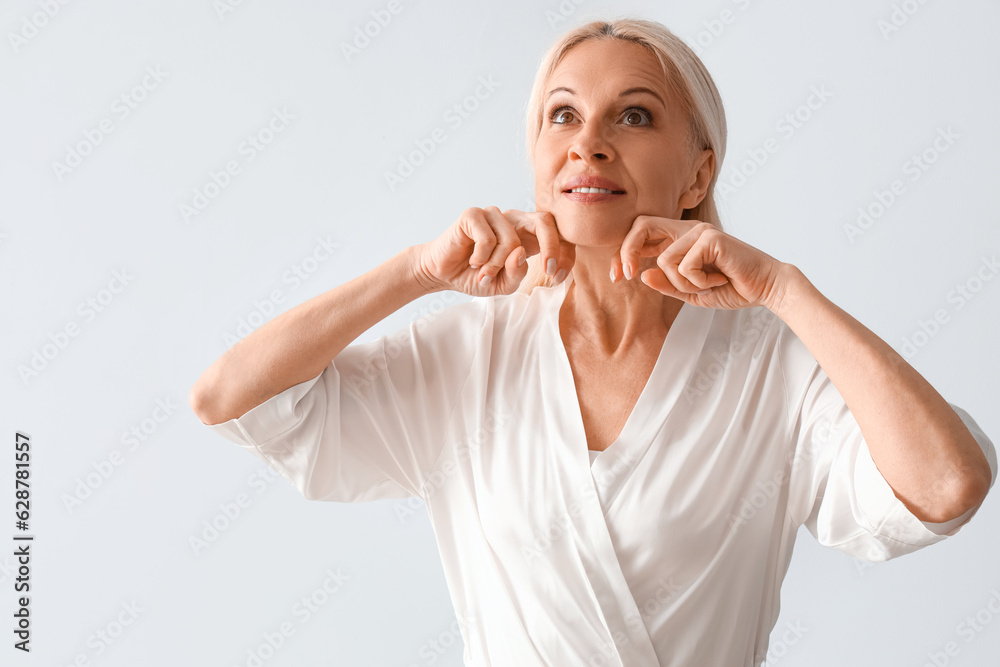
[685, 74]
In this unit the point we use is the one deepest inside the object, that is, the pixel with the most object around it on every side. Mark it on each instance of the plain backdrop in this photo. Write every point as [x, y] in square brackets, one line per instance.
[117, 115]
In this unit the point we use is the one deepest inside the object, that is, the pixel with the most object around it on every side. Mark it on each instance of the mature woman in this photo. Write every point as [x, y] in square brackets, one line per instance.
[615, 453]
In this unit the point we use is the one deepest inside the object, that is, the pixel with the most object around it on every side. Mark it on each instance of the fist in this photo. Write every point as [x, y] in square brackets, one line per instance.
[484, 252]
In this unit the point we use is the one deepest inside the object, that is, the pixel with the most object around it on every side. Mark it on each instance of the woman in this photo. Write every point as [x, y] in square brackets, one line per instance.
[723, 400]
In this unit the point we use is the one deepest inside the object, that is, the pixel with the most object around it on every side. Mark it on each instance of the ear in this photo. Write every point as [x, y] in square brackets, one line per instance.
[703, 167]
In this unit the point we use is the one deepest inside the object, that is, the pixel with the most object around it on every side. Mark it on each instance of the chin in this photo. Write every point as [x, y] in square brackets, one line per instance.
[592, 229]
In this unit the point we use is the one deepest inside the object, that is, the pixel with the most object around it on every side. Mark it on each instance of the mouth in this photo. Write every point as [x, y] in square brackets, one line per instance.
[593, 195]
[596, 190]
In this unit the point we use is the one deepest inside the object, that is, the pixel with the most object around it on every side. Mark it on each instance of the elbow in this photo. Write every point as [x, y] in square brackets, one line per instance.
[964, 487]
[203, 406]
[975, 482]
[965, 492]
[976, 486]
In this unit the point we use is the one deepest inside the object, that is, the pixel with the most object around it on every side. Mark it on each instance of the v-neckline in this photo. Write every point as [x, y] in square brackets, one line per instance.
[677, 359]
[641, 410]
[600, 483]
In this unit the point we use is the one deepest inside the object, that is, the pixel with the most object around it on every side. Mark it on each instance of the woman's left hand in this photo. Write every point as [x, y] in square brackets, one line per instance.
[700, 264]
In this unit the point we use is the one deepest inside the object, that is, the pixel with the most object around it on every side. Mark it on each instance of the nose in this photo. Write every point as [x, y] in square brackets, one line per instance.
[591, 144]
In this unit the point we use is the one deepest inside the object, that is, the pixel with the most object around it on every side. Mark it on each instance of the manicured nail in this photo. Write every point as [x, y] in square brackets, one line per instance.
[704, 291]
[550, 266]
[612, 274]
[486, 280]
[560, 276]
[520, 262]
[628, 271]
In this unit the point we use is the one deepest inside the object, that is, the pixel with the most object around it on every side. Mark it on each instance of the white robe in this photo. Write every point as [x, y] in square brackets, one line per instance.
[668, 549]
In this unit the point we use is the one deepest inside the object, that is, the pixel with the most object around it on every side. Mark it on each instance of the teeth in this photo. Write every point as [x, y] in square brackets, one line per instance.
[593, 190]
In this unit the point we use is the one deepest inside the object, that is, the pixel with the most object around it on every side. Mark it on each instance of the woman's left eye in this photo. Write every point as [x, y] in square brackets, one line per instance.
[638, 114]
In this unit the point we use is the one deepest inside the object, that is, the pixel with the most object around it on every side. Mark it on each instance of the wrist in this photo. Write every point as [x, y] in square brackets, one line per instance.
[418, 273]
[790, 286]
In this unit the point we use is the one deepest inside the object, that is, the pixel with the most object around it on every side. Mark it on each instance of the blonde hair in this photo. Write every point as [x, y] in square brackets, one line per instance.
[685, 74]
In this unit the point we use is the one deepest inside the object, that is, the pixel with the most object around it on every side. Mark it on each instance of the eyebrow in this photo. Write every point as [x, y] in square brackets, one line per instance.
[624, 93]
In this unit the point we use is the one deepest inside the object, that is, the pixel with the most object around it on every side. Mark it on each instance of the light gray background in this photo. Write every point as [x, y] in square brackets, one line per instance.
[62, 240]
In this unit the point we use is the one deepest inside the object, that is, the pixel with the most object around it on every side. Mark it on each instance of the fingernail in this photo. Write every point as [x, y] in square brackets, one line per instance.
[520, 262]
[486, 280]
[550, 266]
[560, 276]
[704, 291]
[628, 271]
[612, 274]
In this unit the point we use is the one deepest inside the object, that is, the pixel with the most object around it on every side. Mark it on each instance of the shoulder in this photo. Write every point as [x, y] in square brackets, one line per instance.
[523, 309]
[767, 340]
[454, 313]
[749, 326]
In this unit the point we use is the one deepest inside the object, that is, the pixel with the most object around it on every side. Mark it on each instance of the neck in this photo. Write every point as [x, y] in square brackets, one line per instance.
[614, 316]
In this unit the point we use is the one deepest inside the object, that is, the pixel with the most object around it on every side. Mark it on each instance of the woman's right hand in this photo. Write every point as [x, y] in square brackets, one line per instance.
[487, 244]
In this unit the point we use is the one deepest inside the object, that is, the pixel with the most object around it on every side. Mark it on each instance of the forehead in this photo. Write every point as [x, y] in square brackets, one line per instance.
[600, 63]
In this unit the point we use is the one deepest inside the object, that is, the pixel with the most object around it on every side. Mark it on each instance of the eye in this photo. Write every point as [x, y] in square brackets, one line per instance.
[633, 116]
[639, 113]
[561, 112]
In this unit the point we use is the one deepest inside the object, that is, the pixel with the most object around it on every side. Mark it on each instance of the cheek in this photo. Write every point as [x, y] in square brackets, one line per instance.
[546, 175]
[657, 184]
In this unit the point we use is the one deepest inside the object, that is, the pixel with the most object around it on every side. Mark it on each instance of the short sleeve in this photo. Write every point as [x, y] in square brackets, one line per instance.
[370, 426]
[837, 491]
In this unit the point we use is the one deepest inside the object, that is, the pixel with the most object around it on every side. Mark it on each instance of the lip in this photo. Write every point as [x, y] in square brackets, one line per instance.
[592, 197]
[592, 182]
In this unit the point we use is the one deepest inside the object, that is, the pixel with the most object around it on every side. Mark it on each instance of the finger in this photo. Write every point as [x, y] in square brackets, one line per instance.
[648, 237]
[478, 229]
[617, 269]
[540, 235]
[514, 270]
[671, 258]
[631, 250]
[507, 241]
[567, 259]
[524, 224]
[656, 279]
[549, 244]
[704, 253]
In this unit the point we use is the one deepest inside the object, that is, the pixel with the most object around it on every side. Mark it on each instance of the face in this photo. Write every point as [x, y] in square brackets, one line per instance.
[596, 122]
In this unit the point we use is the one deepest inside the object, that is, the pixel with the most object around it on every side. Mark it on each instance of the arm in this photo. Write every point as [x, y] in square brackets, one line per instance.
[917, 441]
[298, 344]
